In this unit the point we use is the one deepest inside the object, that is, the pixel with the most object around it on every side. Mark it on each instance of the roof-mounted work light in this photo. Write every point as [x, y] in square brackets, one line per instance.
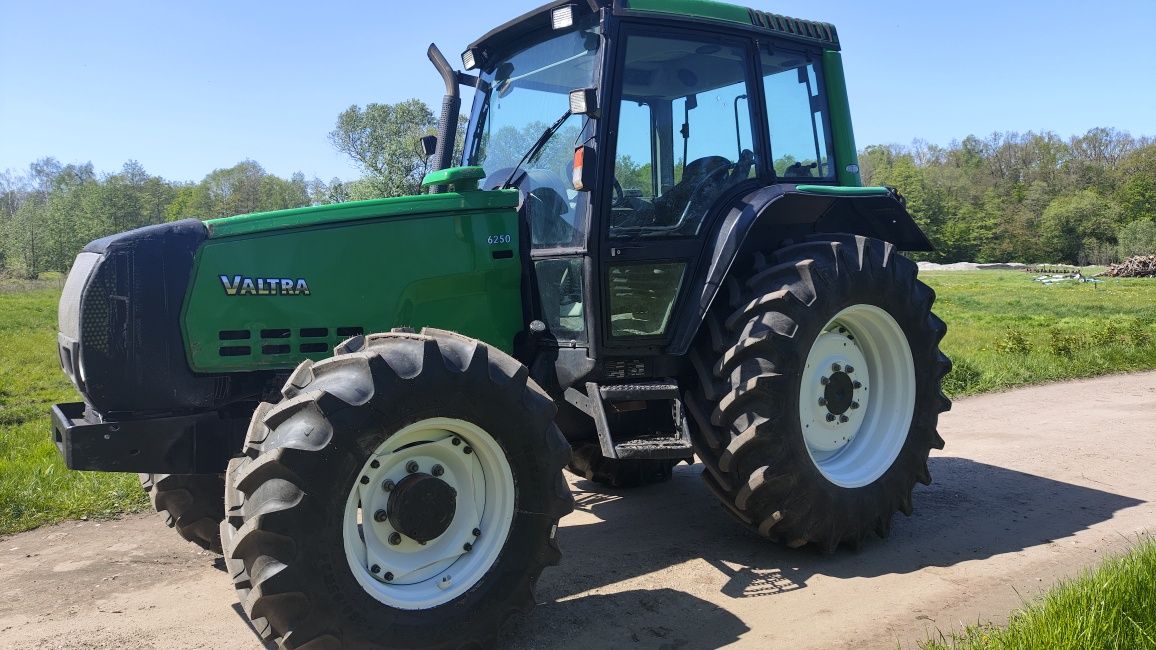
[562, 17]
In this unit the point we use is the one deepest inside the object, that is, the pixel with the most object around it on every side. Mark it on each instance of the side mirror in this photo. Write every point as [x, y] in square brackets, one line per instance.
[582, 177]
[584, 101]
[429, 145]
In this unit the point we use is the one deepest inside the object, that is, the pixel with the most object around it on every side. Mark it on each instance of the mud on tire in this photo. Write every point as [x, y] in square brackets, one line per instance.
[288, 493]
[191, 504]
[746, 413]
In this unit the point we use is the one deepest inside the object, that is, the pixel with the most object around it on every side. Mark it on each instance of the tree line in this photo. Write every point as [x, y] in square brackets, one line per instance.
[1031, 197]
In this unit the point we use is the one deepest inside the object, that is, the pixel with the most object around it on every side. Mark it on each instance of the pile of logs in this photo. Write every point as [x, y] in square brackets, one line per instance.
[1141, 266]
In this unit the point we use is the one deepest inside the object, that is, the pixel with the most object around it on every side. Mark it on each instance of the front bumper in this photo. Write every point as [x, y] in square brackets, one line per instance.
[201, 443]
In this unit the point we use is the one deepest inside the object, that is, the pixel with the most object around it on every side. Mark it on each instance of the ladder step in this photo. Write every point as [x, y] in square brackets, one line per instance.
[657, 447]
[651, 390]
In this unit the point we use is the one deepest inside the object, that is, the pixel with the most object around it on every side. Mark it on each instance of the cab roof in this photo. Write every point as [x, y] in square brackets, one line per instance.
[793, 29]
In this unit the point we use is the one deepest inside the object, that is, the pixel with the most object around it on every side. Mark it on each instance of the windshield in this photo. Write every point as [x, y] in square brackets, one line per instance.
[520, 96]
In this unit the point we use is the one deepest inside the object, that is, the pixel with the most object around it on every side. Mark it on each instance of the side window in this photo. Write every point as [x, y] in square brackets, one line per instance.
[684, 134]
[797, 116]
[633, 166]
[560, 292]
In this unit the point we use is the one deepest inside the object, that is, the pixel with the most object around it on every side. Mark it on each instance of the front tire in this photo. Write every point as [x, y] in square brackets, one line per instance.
[819, 391]
[433, 435]
[191, 504]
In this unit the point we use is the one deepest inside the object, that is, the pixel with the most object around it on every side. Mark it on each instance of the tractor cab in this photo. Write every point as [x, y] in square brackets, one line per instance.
[664, 120]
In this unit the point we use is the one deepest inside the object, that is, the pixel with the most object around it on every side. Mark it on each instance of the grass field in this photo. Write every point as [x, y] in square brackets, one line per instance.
[1004, 330]
[1113, 606]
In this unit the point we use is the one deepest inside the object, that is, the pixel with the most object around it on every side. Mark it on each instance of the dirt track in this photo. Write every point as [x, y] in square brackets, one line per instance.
[1034, 484]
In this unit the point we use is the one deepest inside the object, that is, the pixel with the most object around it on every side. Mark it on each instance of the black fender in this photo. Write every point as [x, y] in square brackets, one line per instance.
[767, 218]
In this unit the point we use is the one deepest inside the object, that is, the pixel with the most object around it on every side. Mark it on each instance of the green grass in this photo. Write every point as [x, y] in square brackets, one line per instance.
[1005, 330]
[35, 487]
[1113, 606]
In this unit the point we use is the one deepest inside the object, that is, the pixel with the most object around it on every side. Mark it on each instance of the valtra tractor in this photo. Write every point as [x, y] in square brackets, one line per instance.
[655, 248]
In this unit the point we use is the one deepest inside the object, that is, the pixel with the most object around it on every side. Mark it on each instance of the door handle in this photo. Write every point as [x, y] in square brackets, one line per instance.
[615, 251]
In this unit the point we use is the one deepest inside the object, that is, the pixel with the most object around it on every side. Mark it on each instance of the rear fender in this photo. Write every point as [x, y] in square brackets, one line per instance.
[767, 218]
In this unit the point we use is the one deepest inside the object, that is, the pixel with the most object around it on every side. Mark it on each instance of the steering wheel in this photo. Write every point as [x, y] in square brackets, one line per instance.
[742, 167]
[720, 175]
[619, 200]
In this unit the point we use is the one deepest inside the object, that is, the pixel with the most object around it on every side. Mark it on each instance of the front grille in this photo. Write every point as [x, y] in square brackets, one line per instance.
[95, 328]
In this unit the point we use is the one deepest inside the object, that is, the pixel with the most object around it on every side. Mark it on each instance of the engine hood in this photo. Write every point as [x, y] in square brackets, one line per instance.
[324, 215]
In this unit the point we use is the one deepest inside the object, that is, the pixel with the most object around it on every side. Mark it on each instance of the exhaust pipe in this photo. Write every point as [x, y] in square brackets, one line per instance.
[451, 108]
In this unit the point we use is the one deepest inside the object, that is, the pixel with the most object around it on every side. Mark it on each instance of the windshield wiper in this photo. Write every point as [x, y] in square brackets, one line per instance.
[534, 150]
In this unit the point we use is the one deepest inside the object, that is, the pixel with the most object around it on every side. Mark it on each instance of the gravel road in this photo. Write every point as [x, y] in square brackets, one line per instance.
[1034, 485]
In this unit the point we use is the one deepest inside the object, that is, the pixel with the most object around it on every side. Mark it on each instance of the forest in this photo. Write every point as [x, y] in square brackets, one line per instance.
[1033, 197]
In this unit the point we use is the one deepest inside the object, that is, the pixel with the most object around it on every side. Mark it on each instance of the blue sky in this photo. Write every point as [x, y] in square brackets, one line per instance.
[188, 87]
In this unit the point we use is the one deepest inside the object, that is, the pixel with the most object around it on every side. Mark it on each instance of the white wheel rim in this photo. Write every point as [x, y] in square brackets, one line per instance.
[421, 576]
[856, 421]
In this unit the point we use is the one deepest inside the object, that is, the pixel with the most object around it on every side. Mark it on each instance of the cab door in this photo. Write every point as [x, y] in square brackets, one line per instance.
[683, 135]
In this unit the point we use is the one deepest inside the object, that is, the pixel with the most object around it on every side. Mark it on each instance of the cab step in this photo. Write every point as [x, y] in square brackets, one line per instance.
[639, 420]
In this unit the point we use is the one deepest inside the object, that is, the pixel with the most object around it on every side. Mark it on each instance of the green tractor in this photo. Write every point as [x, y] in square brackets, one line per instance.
[657, 248]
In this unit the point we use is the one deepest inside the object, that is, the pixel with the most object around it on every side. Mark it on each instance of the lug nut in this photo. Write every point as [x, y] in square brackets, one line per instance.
[412, 467]
[854, 405]
[394, 538]
[830, 417]
[469, 450]
[380, 516]
[836, 367]
[364, 480]
[849, 369]
[388, 485]
[438, 470]
[843, 418]
[374, 464]
[477, 532]
[388, 576]
[858, 384]
[375, 569]
[824, 380]
[822, 401]
[467, 547]
[456, 441]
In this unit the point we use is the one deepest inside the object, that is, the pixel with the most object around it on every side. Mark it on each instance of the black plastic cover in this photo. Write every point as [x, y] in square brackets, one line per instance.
[130, 343]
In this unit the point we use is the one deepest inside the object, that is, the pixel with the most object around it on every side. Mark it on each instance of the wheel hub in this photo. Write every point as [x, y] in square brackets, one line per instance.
[839, 393]
[422, 507]
[834, 392]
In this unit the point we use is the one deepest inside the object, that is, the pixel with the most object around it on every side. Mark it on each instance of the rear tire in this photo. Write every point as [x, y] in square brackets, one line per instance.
[308, 503]
[191, 504]
[589, 463]
[819, 391]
